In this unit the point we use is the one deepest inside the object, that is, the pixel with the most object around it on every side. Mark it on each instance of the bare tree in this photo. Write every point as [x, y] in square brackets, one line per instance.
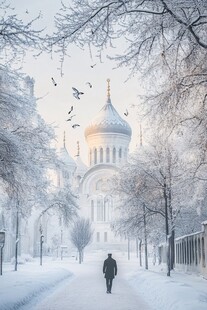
[63, 203]
[81, 235]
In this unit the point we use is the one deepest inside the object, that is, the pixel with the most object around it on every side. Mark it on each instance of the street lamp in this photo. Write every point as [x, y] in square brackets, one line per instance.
[2, 242]
[41, 243]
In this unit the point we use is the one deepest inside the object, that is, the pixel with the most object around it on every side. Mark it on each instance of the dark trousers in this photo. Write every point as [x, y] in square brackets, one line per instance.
[109, 284]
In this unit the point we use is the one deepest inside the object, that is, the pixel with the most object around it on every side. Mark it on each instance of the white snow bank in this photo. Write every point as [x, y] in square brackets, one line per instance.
[17, 288]
[177, 292]
[32, 283]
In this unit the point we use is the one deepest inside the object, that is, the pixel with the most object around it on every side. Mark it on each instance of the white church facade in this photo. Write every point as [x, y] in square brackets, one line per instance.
[108, 137]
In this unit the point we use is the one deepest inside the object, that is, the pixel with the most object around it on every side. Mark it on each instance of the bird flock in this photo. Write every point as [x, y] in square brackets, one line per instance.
[77, 95]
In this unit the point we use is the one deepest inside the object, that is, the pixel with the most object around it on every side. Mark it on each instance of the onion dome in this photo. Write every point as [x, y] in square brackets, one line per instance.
[108, 121]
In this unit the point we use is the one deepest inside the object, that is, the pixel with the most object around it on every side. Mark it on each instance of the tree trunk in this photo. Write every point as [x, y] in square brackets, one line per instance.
[128, 248]
[172, 251]
[167, 227]
[137, 247]
[168, 255]
[145, 238]
[80, 256]
[17, 240]
[172, 239]
[140, 252]
[154, 255]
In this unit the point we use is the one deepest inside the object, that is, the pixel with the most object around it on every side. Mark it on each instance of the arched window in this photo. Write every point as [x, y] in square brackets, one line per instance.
[114, 155]
[100, 213]
[92, 210]
[101, 155]
[90, 158]
[107, 155]
[98, 236]
[95, 156]
[120, 154]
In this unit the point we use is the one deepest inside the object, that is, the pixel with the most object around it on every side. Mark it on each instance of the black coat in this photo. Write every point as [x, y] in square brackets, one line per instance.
[110, 268]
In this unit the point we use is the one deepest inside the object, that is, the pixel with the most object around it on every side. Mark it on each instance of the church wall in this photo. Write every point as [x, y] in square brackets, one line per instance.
[98, 204]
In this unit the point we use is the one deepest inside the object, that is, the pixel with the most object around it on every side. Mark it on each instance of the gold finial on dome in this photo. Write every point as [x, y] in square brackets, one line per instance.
[108, 88]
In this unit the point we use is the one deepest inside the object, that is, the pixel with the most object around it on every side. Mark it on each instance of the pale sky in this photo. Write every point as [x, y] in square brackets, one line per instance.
[56, 101]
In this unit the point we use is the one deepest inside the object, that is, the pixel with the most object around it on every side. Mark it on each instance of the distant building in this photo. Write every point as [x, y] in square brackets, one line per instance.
[108, 137]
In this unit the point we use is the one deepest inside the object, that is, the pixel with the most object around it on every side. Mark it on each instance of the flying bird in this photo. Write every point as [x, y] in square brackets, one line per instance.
[89, 84]
[77, 93]
[70, 119]
[126, 113]
[75, 125]
[71, 109]
[54, 83]
[92, 66]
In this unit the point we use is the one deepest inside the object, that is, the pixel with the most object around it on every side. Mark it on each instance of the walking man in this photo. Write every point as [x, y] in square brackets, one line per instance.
[110, 270]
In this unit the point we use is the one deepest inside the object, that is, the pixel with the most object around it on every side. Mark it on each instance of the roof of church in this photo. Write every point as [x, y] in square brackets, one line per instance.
[66, 158]
[108, 120]
[81, 167]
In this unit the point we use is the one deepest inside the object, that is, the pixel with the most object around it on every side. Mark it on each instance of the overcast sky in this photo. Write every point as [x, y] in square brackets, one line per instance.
[56, 101]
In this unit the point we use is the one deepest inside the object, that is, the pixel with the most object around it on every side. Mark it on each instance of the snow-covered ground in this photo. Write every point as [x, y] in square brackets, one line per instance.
[67, 285]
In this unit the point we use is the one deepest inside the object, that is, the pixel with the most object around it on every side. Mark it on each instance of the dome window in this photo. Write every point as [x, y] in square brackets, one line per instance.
[107, 155]
[120, 153]
[101, 155]
[114, 155]
[90, 158]
[95, 156]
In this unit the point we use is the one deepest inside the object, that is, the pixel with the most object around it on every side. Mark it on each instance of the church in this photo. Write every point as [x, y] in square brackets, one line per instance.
[107, 136]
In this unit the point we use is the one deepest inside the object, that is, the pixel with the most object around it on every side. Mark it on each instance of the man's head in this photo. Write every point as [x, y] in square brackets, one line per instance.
[109, 255]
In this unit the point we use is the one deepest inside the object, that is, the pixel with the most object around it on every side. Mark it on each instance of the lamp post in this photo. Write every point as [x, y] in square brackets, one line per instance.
[2, 241]
[17, 238]
[41, 243]
[128, 246]
[61, 244]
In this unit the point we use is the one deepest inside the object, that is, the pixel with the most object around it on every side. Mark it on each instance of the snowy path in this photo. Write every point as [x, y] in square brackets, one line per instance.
[86, 291]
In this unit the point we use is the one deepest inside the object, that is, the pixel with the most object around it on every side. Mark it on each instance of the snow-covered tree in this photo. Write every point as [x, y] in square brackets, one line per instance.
[162, 40]
[156, 187]
[16, 36]
[61, 202]
[25, 139]
[81, 235]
